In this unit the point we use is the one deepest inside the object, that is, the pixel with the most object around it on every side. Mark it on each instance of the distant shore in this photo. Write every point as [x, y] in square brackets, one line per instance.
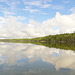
[62, 41]
[63, 38]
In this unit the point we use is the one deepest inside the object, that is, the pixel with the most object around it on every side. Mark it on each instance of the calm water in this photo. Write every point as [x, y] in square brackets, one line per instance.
[29, 59]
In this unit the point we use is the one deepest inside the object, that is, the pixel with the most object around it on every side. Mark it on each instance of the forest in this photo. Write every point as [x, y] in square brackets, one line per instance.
[63, 38]
[62, 41]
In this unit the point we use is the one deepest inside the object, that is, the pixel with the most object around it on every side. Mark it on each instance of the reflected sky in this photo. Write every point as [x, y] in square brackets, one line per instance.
[29, 59]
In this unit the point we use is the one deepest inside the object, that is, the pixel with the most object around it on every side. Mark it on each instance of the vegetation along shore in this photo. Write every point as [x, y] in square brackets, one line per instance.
[62, 41]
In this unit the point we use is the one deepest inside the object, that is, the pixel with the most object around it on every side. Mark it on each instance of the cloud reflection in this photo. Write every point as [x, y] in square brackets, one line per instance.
[10, 53]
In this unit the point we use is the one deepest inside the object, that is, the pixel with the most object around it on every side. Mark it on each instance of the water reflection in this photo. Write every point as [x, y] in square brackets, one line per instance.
[28, 54]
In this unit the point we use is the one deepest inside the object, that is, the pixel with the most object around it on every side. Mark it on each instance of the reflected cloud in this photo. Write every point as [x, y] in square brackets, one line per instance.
[11, 53]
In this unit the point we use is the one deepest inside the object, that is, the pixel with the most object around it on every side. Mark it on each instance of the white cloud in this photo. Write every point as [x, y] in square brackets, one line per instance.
[45, 6]
[66, 23]
[72, 9]
[61, 7]
[11, 3]
[39, 3]
[21, 18]
[3, 0]
[30, 9]
[35, 3]
[66, 1]
[45, 1]
[11, 27]
[44, 13]
[10, 7]
[6, 12]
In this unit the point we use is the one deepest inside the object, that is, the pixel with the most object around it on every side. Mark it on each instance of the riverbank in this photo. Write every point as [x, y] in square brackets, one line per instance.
[62, 41]
[61, 38]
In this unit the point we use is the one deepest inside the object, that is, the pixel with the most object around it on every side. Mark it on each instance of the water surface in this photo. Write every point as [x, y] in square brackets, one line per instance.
[30, 59]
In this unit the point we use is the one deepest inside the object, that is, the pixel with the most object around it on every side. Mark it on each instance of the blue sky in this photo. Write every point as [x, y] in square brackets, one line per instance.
[29, 14]
[38, 10]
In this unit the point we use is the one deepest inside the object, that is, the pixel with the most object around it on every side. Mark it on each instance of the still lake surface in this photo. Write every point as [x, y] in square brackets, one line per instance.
[30, 59]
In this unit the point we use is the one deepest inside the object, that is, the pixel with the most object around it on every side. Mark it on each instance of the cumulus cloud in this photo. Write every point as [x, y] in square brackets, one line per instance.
[12, 27]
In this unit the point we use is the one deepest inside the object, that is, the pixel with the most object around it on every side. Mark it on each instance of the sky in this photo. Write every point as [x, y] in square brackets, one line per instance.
[36, 18]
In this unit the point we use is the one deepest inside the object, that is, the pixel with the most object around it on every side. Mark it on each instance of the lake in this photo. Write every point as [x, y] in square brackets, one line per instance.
[31, 59]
